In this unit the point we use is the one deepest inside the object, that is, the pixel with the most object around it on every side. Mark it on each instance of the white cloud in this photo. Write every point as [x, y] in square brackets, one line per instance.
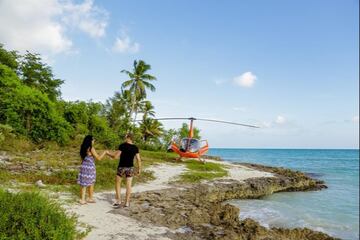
[355, 119]
[280, 120]
[29, 25]
[87, 17]
[42, 25]
[246, 79]
[125, 45]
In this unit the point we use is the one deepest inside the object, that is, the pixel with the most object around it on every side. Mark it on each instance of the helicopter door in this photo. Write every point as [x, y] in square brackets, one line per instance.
[184, 144]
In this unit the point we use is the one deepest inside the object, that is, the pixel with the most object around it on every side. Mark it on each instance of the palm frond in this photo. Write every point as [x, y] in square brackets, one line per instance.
[126, 84]
[125, 71]
[149, 86]
[149, 77]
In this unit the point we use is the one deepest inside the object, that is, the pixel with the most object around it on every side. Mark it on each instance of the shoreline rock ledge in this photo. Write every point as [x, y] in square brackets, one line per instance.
[199, 211]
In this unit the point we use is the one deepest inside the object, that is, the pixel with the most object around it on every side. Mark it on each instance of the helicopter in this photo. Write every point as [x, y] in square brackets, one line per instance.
[190, 147]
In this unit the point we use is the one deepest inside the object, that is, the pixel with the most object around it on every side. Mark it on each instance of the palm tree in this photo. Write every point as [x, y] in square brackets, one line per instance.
[137, 84]
[148, 109]
[116, 110]
[150, 128]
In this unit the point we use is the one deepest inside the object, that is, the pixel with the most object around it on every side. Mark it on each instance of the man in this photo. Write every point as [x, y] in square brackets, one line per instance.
[126, 152]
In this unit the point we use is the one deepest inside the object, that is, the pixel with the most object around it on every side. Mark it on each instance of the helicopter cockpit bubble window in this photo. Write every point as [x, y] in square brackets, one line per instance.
[194, 145]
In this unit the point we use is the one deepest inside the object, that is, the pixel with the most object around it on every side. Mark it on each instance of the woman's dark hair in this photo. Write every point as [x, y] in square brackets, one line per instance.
[85, 146]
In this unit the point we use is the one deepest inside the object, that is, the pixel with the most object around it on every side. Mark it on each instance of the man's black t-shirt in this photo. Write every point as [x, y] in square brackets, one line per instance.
[128, 152]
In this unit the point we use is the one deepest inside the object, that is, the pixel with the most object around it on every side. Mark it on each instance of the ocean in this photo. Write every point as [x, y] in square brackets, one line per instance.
[334, 211]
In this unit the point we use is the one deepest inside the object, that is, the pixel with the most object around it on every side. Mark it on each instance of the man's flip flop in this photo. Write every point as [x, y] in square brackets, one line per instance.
[116, 205]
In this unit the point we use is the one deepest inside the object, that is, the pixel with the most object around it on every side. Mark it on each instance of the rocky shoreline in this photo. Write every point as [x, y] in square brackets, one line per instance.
[199, 211]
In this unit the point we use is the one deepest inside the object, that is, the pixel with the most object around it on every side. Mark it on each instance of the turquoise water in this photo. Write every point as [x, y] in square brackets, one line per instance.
[334, 210]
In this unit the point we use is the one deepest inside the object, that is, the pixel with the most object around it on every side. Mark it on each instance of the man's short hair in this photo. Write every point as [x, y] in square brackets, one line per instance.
[129, 136]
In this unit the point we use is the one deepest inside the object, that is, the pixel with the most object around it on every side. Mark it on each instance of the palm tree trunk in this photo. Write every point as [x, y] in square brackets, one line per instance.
[135, 117]
[132, 110]
[28, 121]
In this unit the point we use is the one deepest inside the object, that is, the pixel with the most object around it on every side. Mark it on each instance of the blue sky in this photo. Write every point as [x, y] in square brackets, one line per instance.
[291, 67]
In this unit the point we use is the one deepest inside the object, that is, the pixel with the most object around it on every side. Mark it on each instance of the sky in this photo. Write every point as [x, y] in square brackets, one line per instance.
[290, 67]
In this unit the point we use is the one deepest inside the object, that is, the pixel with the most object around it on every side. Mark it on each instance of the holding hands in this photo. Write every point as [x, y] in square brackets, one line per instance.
[110, 154]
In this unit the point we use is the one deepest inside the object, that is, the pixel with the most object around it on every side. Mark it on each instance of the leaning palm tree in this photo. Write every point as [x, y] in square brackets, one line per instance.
[150, 128]
[147, 109]
[137, 84]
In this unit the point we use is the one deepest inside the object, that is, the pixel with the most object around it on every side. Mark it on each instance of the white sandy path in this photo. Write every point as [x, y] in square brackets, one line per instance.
[107, 225]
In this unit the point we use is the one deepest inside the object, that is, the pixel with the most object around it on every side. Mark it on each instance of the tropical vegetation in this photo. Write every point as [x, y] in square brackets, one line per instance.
[31, 107]
[44, 131]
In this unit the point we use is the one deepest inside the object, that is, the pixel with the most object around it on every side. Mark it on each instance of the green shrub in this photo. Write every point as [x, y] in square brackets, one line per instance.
[31, 216]
[150, 147]
[98, 127]
[29, 111]
[5, 132]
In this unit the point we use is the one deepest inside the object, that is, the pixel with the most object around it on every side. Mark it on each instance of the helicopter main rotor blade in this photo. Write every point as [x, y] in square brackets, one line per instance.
[233, 123]
[208, 120]
[190, 118]
[139, 120]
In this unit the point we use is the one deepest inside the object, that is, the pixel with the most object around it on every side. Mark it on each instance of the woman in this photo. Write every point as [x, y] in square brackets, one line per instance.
[87, 174]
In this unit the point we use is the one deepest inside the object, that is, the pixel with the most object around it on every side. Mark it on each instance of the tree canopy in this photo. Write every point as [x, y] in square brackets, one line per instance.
[31, 106]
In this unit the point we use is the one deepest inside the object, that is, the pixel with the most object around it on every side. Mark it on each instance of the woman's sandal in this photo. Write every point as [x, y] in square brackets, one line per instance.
[91, 201]
[82, 202]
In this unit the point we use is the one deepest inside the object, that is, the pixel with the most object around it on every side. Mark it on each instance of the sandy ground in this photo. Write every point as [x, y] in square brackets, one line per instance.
[107, 225]
[241, 173]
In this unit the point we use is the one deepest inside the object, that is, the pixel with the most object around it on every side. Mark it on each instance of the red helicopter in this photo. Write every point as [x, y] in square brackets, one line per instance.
[191, 147]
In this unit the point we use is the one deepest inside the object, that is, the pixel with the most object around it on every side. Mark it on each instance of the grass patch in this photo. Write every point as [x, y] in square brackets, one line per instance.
[209, 166]
[60, 178]
[5, 176]
[193, 177]
[13, 143]
[106, 172]
[32, 216]
[105, 177]
[199, 171]
[65, 163]
[149, 157]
